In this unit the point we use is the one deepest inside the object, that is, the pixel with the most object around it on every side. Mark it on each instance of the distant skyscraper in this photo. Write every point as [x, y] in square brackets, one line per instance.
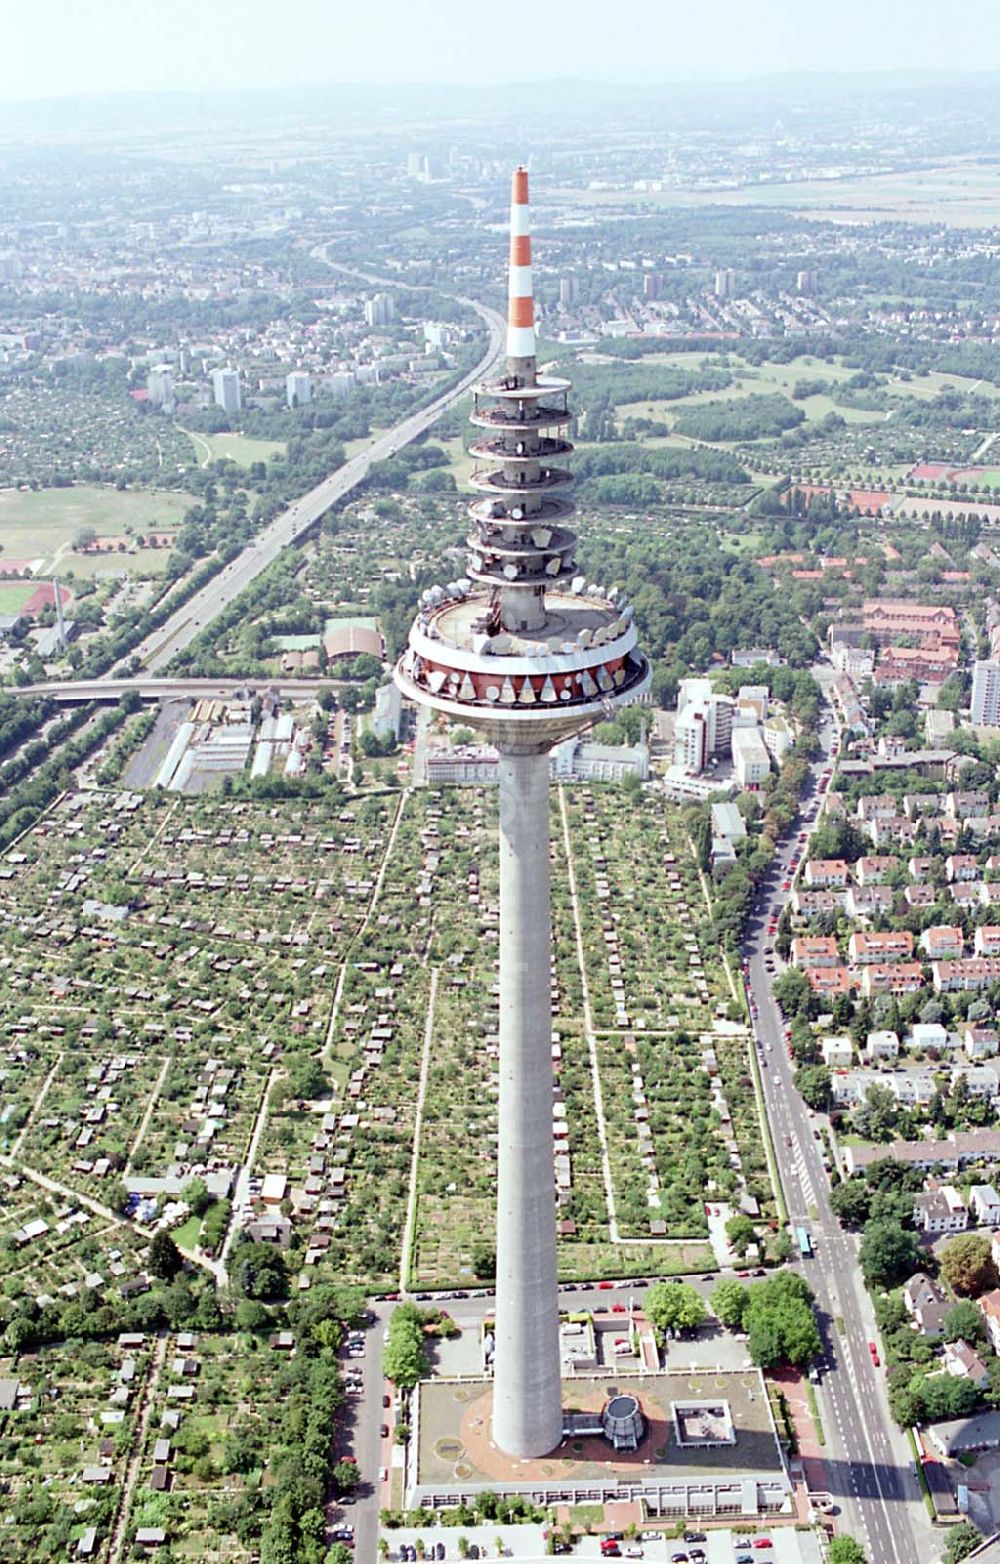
[651, 285]
[568, 291]
[805, 283]
[380, 310]
[298, 388]
[523, 650]
[226, 389]
[725, 283]
[986, 694]
[160, 387]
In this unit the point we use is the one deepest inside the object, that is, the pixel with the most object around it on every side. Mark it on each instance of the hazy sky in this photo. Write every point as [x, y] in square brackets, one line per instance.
[52, 48]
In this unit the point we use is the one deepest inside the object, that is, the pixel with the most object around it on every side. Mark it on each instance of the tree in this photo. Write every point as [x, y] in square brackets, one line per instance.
[967, 1265]
[484, 1260]
[346, 1476]
[729, 1300]
[740, 1232]
[779, 1321]
[165, 1259]
[963, 1539]
[964, 1323]
[844, 1550]
[195, 1193]
[889, 1254]
[851, 1202]
[816, 1086]
[675, 1306]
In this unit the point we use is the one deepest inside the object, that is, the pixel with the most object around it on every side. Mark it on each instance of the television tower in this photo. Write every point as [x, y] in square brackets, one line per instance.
[522, 649]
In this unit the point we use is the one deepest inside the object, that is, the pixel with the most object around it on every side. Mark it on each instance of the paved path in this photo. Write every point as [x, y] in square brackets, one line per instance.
[588, 1024]
[338, 993]
[406, 1255]
[242, 1191]
[151, 1104]
[43, 1092]
[118, 1531]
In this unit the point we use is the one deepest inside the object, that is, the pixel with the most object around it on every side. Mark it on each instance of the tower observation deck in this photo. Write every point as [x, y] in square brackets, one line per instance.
[523, 649]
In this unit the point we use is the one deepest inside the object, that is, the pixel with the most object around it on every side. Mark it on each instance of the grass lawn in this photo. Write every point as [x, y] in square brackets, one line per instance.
[187, 1235]
[14, 595]
[36, 524]
[237, 448]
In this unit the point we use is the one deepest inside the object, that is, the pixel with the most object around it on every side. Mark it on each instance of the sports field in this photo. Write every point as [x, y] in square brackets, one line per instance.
[14, 595]
[41, 524]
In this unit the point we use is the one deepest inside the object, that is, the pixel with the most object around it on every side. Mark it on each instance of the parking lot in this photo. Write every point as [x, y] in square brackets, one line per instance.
[527, 1543]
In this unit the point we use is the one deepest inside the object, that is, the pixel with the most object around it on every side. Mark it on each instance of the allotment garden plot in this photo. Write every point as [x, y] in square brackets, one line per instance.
[680, 1112]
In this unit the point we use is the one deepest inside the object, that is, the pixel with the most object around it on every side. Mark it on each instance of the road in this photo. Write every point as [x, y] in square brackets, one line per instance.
[76, 692]
[162, 645]
[868, 1461]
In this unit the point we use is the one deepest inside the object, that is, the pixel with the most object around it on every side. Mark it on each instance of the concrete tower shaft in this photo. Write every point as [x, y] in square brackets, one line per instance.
[524, 650]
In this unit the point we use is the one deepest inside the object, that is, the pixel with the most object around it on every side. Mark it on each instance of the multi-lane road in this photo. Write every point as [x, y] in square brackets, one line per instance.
[868, 1461]
[162, 645]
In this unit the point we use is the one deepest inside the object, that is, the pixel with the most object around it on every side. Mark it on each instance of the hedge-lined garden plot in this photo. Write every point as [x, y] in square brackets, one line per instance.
[64, 1445]
[213, 1415]
[55, 1247]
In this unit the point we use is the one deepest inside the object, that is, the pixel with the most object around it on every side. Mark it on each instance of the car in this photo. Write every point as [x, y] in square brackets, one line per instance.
[610, 1550]
[786, 885]
[634, 1551]
[618, 1308]
[761, 1542]
[605, 1286]
[439, 1550]
[698, 1556]
[874, 1352]
[383, 1431]
[744, 1558]
[387, 1401]
[678, 1558]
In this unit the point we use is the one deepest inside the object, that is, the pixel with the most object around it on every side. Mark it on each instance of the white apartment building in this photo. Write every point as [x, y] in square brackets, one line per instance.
[298, 388]
[226, 390]
[751, 761]
[986, 694]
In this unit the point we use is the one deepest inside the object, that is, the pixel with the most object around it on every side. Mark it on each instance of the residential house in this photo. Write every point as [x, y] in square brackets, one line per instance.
[973, 973]
[980, 1042]
[875, 870]
[988, 1305]
[940, 1211]
[986, 941]
[920, 895]
[961, 867]
[811, 951]
[838, 1052]
[926, 1302]
[807, 903]
[862, 900]
[826, 872]
[864, 948]
[943, 942]
[892, 977]
[928, 1035]
[984, 1205]
[880, 1045]
[920, 869]
[955, 1151]
[963, 1362]
[961, 806]
[878, 806]
[832, 981]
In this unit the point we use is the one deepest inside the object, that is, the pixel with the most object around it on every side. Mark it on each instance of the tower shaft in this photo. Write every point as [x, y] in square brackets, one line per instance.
[527, 1405]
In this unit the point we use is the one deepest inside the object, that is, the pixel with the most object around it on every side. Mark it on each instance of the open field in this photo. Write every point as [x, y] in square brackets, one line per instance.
[962, 193]
[43, 521]
[236, 448]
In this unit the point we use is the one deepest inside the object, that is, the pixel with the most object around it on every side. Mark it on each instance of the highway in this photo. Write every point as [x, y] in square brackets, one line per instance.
[868, 1461]
[162, 645]
[76, 692]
